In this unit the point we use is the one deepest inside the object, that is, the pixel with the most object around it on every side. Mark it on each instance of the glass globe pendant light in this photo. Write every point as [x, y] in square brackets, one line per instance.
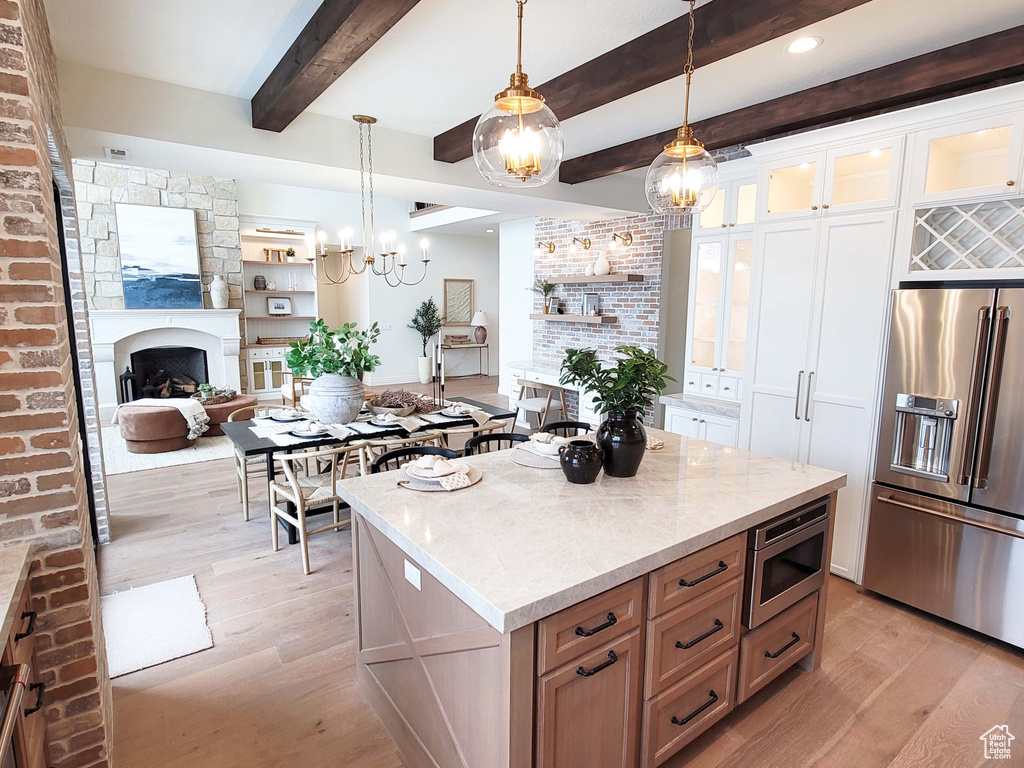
[518, 142]
[683, 178]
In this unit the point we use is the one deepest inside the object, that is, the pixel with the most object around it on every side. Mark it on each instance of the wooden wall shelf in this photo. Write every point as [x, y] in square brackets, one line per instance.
[592, 320]
[624, 278]
[268, 292]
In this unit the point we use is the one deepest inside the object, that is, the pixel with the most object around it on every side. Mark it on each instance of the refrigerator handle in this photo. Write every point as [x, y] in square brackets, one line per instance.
[1002, 320]
[971, 417]
[796, 407]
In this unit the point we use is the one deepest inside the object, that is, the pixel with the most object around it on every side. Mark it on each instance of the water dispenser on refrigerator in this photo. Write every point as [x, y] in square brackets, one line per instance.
[923, 436]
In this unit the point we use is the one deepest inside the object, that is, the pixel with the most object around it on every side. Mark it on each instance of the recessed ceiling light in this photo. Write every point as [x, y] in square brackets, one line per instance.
[804, 44]
[490, 231]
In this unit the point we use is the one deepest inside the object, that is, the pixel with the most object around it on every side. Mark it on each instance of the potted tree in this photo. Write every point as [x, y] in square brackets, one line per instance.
[336, 359]
[545, 289]
[426, 322]
[622, 392]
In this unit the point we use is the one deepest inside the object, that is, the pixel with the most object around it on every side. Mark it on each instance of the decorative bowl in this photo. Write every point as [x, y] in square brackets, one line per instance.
[377, 410]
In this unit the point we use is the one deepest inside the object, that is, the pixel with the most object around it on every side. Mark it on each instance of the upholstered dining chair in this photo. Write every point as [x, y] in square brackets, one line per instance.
[495, 441]
[532, 400]
[252, 466]
[567, 428]
[308, 492]
[395, 459]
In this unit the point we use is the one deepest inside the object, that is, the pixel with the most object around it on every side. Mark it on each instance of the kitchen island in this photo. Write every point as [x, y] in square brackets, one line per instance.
[526, 622]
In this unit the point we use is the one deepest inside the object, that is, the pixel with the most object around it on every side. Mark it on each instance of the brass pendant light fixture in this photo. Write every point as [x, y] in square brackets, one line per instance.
[518, 142]
[683, 178]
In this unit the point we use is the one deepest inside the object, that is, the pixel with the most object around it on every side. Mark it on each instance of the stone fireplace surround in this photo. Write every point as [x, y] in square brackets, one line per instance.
[117, 333]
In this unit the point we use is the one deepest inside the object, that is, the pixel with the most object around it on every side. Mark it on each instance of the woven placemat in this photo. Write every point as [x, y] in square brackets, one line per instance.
[407, 481]
[524, 457]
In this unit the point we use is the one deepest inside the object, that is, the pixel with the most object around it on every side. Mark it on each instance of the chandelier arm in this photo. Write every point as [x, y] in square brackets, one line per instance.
[404, 282]
[329, 280]
[398, 277]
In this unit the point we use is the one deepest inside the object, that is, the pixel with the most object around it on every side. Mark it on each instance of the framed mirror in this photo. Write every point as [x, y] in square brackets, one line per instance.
[458, 301]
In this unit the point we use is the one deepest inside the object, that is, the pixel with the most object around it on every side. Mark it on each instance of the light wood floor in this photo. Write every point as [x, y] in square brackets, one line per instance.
[277, 689]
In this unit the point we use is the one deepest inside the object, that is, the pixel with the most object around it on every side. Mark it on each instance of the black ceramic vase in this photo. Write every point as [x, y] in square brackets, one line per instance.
[580, 461]
[624, 441]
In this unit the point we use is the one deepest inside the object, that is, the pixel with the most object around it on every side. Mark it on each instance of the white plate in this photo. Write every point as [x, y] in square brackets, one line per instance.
[428, 474]
[307, 434]
[455, 414]
[287, 419]
[377, 423]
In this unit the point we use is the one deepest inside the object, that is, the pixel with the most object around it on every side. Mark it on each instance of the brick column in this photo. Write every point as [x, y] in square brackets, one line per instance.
[42, 486]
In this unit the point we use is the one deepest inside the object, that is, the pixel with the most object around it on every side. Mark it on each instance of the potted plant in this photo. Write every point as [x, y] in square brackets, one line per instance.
[622, 392]
[336, 359]
[545, 289]
[290, 254]
[426, 322]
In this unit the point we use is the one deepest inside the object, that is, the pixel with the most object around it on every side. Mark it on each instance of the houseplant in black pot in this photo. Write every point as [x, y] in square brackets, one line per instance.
[622, 391]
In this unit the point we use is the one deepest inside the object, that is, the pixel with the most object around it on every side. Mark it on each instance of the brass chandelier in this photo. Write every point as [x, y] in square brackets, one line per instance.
[393, 272]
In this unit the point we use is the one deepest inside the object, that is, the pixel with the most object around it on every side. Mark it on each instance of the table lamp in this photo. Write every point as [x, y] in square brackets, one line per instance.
[480, 320]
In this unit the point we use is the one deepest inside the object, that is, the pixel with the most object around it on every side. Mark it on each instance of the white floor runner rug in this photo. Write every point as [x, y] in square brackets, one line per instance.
[117, 460]
[149, 625]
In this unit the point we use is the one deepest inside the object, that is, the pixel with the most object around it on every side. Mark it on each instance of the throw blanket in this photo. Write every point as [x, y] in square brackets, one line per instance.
[193, 411]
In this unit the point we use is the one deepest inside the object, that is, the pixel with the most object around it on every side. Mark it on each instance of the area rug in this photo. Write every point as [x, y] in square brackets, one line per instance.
[146, 626]
[117, 460]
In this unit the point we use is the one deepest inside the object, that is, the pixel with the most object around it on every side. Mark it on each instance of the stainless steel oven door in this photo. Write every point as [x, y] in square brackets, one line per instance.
[13, 681]
[785, 571]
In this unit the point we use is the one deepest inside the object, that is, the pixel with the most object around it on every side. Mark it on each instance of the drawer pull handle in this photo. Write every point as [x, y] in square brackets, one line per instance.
[581, 632]
[40, 689]
[722, 568]
[719, 626]
[31, 616]
[612, 658]
[783, 649]
[713, 698]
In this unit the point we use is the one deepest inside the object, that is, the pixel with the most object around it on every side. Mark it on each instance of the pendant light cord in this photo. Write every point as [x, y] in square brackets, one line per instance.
[519, 45]
[688, 69]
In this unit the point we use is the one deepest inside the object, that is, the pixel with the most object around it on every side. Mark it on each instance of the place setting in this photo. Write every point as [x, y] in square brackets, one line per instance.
[436, 473]
[540, 452]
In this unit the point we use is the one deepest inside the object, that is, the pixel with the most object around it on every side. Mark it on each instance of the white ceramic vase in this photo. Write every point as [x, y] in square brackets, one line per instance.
[219, 292]
[334, 399]
[601, 266]
[424, 369]
[589, 271]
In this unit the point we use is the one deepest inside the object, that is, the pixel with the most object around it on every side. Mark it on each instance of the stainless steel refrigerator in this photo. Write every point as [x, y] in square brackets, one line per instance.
[946, 530]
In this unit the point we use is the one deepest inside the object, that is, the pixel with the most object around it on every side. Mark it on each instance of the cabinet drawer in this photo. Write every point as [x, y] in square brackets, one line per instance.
[588, 711]
[593, 623]
[682, 640]
[687, 709]
[691, 383]
[772, 648]
[708, 385]
[697, 574]
[729, 388]
[21, 651]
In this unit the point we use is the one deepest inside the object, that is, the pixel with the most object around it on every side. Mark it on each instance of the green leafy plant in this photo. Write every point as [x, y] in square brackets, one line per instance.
[631, 384]
[426, 322]
[206, 388]
[343, 350]
[290, 253]
[543, 287]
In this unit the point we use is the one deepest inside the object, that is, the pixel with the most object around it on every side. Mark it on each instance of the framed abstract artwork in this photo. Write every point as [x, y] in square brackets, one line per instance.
[458, 301]
[159, 250]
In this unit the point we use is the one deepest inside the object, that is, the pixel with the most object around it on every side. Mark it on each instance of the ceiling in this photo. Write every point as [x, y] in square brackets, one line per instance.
[445, 60]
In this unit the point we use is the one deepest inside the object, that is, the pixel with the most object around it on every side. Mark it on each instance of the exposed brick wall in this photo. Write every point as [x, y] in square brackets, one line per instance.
[42, 483]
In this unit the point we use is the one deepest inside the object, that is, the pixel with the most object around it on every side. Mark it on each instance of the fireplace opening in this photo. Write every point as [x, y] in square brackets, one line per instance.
[166, 372]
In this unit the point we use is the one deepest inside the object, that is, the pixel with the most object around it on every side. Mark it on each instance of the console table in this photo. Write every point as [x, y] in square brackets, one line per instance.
[483, 351]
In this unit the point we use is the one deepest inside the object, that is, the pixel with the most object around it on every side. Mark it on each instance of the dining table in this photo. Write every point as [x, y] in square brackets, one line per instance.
[251, 445]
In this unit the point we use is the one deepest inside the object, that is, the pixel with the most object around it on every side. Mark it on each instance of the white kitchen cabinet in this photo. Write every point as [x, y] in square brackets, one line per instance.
[972, 159]
[702, 426]
[734, 205]
[822, 298]
[267, 367]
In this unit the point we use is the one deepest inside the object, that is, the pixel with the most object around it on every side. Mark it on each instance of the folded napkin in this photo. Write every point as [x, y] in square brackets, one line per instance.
[408, 423]
[451, 475]
[654, 444]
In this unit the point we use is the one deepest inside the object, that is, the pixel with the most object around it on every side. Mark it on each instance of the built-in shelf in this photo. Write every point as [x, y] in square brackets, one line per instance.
[304, 264]
[591, 319]
[279, 317]
[268, 292]
[599, 279]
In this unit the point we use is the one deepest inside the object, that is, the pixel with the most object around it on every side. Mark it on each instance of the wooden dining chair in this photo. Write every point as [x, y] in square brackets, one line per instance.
[308, 492]
[567, 428]
[251, 466]
[381, 445]
[495, 441]
[293, 388]
[470, 431]
[393, 460]
[532, 401]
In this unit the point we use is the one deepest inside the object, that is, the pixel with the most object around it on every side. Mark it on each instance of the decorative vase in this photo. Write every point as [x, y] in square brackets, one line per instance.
[544, 308]
[601, 266]
[480, 334]
[219, 292]
[424, 369]
[580, 461]
[259, 282]
[334, 399]
[589, 270]
[624, 441]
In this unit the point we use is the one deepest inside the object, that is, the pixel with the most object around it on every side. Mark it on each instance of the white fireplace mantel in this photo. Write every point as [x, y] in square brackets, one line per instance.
[117, 333]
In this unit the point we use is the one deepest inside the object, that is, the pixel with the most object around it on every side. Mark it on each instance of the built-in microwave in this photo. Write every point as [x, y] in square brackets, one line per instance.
[786, 561]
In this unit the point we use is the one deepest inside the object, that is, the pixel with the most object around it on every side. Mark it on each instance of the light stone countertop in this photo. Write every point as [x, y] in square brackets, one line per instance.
[524, 543]
[704, 405]
[14, 564]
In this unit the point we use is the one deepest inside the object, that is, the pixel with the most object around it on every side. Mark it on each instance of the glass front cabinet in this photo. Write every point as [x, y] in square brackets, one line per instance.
[267, 368]
[717, 317]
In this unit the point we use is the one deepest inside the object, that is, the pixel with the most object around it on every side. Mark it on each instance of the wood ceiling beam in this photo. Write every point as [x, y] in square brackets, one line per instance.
[338, 34]
[722, 28]
[982, 63]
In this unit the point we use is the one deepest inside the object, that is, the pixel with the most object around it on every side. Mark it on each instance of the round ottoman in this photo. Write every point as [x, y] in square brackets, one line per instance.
[153, 430]
[219, 413]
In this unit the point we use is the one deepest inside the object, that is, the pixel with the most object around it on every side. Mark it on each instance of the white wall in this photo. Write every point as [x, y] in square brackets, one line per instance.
[367, 298]
[515, 278]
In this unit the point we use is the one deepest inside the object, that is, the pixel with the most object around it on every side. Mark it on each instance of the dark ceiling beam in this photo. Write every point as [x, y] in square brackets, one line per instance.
[975, 65]
[338, 34]
[722, 28]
